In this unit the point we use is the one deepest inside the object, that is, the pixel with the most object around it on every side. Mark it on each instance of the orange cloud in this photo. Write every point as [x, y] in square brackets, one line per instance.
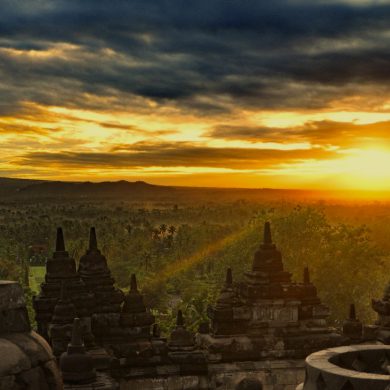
[324, 133]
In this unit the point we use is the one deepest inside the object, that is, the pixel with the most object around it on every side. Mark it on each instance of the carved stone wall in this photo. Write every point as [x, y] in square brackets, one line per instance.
[269, 375]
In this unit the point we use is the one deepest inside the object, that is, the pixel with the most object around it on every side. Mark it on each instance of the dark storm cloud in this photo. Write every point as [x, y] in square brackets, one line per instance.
[315, 132]
[278, 54]
[183, 154]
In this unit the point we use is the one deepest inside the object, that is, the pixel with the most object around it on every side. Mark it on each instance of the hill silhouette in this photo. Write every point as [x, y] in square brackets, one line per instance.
[25, 189]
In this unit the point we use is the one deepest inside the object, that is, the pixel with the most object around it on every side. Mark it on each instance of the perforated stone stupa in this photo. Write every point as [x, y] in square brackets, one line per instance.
[26, 360]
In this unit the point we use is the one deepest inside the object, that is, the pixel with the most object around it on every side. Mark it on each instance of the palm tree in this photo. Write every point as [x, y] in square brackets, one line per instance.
[155, 234]
[163, 229]
[171, 230]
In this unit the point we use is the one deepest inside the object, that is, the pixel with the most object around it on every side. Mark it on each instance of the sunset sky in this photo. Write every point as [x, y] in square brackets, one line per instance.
[244, 93]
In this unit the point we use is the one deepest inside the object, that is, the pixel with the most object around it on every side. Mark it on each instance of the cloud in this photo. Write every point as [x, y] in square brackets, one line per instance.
[128, 128]
[179, 154]
[208, 57]
[13, 128]
[323, 133]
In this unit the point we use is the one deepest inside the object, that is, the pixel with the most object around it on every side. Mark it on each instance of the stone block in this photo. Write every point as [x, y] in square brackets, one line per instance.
[16, 361]
[33, 379]
[7, 382]
[143, 384]
[52, 375]
[11, 295]
[300, 376]
[286, 377]
[190, 383]
[279, 364]
[33, 345]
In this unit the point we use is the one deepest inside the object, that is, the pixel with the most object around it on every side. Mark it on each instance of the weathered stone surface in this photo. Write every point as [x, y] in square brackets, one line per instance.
[103, 382]
[13, 312]
[267, 316]
[33, 379]
[7, 382]
[359, 367]
[52, 375]
[61, 323]
[34, 347]
[134, 313]
[272, 374]
[11, 295]
[16, 360]
[261, 328]
[249, 384]
[25, 356]
[128, 333]
[76, 365]
[382, 307]
[96, 275]
[61, 268]
[352, 327]
[181, 339]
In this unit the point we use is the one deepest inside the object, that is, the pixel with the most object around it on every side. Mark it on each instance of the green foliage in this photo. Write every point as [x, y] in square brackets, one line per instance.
[180, 253]
[345, 264]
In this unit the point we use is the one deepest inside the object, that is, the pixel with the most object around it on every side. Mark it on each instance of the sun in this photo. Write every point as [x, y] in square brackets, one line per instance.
[367, 169]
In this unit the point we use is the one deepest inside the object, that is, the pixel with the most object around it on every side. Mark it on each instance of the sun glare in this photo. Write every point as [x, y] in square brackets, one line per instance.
[367, 169]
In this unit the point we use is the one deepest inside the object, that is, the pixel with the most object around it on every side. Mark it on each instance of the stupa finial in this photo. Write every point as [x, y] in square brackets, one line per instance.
[180, 319]
[60, 243]
[352, 312]
[306, 275]
[267, 234]
[133, 283]
[229, 277]
[156, 331]
[92, 239]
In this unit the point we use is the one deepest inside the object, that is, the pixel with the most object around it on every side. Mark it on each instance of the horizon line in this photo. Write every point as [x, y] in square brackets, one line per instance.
[317, 190]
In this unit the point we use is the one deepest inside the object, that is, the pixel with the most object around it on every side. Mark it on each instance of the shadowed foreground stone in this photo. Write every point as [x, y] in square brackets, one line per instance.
[183, 351]
[249, 384]
[77, 366]
[61, 268]
[267, 315]
[352, 327]
[26, 360]
[359, 367]
[96, 275]
[60, 327]
[382, 307]
[260, 329]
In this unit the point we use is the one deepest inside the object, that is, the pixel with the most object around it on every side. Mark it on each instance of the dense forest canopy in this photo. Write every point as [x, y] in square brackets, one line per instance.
[180, 251]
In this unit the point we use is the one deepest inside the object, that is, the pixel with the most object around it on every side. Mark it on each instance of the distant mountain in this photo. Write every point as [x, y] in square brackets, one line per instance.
[87, 188]
[23, 189]
[9, 186]
[63, 189]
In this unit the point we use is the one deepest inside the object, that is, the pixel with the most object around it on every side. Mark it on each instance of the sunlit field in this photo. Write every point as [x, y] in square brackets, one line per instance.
[36, 277]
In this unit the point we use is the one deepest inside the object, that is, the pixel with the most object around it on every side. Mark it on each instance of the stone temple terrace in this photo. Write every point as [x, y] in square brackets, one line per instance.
[265, 331]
